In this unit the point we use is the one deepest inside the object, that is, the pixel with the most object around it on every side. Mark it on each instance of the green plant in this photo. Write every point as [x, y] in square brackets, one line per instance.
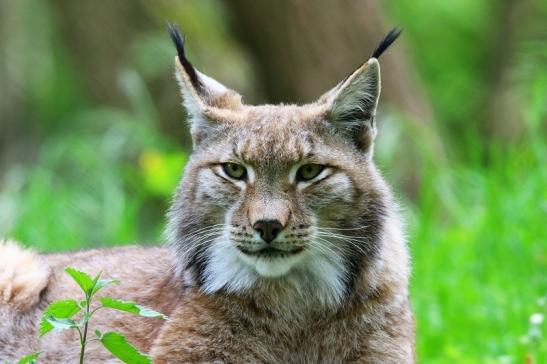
[27, 359]
[59, 315]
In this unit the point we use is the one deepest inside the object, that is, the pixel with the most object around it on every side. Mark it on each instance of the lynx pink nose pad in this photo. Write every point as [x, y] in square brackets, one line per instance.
[268, 229]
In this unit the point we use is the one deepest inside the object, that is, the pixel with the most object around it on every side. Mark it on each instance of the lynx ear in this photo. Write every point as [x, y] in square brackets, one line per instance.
[203, 96]
[352, 103]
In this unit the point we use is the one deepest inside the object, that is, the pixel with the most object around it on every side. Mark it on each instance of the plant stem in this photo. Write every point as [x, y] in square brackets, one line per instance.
[83, 342]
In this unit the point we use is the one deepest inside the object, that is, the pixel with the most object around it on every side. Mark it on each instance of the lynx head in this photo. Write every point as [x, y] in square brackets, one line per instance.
[282, 198]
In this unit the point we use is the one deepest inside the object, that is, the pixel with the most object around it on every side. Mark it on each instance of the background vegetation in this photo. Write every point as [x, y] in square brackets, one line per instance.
[93, 138]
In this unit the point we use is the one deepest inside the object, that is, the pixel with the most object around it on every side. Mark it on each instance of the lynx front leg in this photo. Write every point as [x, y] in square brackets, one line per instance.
[198, 332]
[392, 342]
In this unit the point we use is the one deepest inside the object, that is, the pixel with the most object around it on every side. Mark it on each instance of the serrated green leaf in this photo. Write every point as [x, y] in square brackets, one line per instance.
[62, 309]
[95, 280]
[61, 323]
[29, 359]
[101, 283]
[45, 327]
[58, 309]
[118, 345]
[82, 279]
[129, 306]
[49, 323]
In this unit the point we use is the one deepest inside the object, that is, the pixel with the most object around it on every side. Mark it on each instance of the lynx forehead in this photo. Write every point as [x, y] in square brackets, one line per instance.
[286, 197]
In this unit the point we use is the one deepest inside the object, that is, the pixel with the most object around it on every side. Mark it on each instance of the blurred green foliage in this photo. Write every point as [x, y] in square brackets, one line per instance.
[100, 174]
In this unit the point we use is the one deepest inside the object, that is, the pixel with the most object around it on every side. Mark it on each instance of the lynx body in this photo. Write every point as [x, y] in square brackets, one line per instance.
[285, 244]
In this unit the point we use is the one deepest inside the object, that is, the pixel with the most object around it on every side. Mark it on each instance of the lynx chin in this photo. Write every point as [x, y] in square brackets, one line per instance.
[284, 242]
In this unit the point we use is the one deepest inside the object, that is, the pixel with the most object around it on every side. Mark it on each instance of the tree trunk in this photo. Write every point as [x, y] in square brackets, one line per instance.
[502, 118]
[99, 38]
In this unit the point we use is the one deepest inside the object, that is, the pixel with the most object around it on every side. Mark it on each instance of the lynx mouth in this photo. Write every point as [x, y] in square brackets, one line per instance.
[270, 252]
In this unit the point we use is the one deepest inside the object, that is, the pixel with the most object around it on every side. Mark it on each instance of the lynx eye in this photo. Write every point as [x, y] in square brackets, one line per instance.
[235, 171]
[308, 172]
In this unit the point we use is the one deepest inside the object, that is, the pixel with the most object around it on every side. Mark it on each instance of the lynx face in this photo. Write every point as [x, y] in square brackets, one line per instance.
[279, 197]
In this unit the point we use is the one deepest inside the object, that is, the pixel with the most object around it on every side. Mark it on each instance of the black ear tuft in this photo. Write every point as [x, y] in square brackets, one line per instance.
[388, 40]
[178, 40]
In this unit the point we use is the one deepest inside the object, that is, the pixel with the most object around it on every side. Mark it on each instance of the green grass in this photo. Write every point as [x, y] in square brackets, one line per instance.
[478, 240]
[106, 180]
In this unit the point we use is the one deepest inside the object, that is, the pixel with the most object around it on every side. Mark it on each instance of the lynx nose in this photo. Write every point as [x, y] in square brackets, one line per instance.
[268, 229]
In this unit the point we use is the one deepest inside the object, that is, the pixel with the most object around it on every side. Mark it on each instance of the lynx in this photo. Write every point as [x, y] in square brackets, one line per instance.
[284, 242]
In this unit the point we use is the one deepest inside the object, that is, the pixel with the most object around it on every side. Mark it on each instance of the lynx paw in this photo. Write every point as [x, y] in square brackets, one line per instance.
[23, 276]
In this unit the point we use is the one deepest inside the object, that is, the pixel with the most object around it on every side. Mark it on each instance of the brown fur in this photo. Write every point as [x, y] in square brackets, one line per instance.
[342, 297]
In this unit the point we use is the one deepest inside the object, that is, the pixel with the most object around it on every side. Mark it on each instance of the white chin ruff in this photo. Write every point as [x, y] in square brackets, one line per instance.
[309, 272]
[272, 267]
